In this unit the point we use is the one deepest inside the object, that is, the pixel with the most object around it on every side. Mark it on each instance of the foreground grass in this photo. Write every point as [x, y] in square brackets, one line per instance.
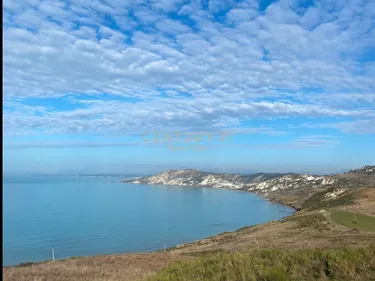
[354, 220]
[276, 265]
[129, 267]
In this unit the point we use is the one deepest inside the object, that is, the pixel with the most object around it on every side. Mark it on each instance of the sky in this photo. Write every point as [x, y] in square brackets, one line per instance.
[140, 86]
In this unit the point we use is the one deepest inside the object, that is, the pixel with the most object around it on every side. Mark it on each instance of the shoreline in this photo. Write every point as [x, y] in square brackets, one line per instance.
[225, 188]
[294, 209]
[25, 264]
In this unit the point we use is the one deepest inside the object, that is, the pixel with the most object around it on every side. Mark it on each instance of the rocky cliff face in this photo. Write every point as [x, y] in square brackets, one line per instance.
[261, 182]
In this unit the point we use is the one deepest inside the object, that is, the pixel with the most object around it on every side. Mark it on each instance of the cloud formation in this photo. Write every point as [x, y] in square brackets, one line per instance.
[120, 67]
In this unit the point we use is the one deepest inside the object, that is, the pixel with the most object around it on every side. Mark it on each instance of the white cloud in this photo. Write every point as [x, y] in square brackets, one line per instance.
[237, 14]
[361, 126]
[172, 27]
[115, 117]
[216, 72]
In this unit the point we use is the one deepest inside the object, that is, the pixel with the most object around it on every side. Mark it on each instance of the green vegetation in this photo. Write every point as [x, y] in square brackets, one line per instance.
[205, 253]
[316, 220]
[354, 220]
[317, 201]
[276, 265]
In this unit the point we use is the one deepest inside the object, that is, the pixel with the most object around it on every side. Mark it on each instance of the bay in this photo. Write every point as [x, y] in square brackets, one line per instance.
[83, 216]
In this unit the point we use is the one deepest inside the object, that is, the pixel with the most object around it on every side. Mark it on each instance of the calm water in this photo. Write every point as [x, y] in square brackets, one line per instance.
[89, 216]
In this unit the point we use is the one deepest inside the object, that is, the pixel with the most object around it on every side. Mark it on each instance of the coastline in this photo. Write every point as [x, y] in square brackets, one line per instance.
[225, 188]
[310, 231]
[295, 210]
[23, 264]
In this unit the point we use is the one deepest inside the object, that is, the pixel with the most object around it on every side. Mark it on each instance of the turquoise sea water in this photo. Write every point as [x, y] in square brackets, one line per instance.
[81, 216]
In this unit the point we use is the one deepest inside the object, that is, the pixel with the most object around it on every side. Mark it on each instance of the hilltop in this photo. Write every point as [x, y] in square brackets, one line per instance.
[364, 170]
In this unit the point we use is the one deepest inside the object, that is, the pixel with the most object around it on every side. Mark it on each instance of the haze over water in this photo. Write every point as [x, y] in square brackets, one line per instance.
[82, 216]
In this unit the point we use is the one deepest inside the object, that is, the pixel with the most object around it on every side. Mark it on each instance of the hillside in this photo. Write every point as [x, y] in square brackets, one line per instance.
[330, 237]
[253, 182]
[289, 189]
[345, 264]
[311, 227]
[366, 170]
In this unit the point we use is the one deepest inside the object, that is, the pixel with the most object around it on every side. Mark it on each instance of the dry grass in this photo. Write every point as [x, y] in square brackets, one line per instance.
[287, 234]
[305, 229]
[344, 264]
[364, 202]
[129, 267]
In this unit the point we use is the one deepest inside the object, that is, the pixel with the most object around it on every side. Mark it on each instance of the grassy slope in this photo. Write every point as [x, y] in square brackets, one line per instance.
[309, 239]
[275, 265]
[354, 220]
[309, 227]
[129, 267]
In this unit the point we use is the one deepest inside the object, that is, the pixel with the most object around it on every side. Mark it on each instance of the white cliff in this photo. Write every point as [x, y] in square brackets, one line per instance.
[254, 182]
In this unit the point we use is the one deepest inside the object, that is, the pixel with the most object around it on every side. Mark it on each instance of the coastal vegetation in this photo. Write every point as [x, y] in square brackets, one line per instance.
[128, 267]
[316, 220]
[354, 220]
[276, 265]
[317, 201]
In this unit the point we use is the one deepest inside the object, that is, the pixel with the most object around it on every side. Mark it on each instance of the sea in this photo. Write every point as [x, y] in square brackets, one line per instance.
[62, 216]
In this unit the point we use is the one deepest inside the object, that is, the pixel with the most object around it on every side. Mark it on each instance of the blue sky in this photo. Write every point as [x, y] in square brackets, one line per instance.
[292, 81]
